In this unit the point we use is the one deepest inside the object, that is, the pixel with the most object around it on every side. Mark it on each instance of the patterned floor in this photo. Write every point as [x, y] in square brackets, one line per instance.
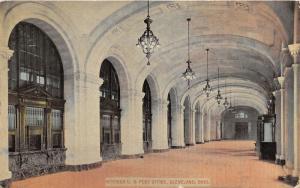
[222, 164]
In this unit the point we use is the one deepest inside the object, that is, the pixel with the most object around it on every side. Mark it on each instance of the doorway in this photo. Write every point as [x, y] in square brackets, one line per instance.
[241, 131]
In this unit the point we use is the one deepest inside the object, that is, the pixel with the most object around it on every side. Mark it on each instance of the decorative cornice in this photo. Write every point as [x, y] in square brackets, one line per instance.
[294, 49]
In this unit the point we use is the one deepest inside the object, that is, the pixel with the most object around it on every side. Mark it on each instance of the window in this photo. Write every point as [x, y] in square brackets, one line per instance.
[11, 117]
[241, 115]
[147, 117]
[35, 61]
[35, 87]
[110, 89]
[110, 105]
[11, 127]
[56, 119]
[34, 116]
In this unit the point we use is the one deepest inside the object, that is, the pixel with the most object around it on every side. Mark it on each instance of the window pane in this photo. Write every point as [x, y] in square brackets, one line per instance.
[11, 117]
[37, 58]
[56, 140]
[34, 116]
[56, 119]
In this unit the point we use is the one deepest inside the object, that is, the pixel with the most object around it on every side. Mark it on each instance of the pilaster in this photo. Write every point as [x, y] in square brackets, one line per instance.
[278, 125]
[296, 120]
[132, 126]
[5, 55]
[178, 128]
[192, 135]
[160, 125]
[295, 52]
[198, 128]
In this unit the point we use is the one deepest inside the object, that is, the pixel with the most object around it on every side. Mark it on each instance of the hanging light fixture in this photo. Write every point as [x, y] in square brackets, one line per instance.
[207, 89]
[219, 97]
[148, 41]
[226, 103]
[189, 74]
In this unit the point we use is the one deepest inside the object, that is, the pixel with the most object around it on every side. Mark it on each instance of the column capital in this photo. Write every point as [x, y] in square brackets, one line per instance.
[294, 49]
[180, 107]
[281, 81]
[6, 53]
[165, 103]
[132, 93]
[101, 81]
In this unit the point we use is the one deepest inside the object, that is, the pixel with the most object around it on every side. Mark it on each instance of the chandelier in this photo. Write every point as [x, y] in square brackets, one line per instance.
[207, 89]
[148, 41]
[226, 103]
[219, 97]
[189, 74]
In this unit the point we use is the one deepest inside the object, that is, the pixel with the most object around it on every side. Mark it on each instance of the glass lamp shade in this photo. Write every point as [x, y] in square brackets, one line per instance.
[207, 89]
[189, 74]
[226, 103]
[219, 97]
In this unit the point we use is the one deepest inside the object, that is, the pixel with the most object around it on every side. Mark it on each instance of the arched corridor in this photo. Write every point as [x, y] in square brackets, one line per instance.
[94, 86]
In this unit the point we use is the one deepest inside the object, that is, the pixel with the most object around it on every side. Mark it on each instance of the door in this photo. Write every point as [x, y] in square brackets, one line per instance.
[241, 131]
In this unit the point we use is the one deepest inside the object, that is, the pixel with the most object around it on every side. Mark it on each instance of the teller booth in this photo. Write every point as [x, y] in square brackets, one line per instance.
[266, 145]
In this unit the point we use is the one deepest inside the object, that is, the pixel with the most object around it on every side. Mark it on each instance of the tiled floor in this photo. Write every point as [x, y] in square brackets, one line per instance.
[230, 164]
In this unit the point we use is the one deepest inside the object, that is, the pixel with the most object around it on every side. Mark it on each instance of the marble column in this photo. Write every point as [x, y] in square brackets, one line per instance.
[160, 125]
[208, 124]
[132, 124]
[198, 129]
[82, 120]
[277, 126]
[295, 52]
[202, 136]
[288, 120]
[178, 128]
[282, 120]
[5, 55]
[192, 136]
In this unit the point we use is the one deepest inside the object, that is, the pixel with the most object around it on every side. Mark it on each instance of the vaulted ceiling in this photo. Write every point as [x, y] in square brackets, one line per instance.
[245, 41]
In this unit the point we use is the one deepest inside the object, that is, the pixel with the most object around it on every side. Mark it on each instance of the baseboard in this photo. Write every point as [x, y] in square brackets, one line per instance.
[133, 156]
[82, 167]
[189, 144]
[5, 183]
[177, 147]
[160, 150]
[290, 180]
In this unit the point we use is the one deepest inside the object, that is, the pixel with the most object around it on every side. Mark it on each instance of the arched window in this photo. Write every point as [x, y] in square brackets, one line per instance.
[110, 112]
[36, 100]
[147, 117]
[169, 121]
